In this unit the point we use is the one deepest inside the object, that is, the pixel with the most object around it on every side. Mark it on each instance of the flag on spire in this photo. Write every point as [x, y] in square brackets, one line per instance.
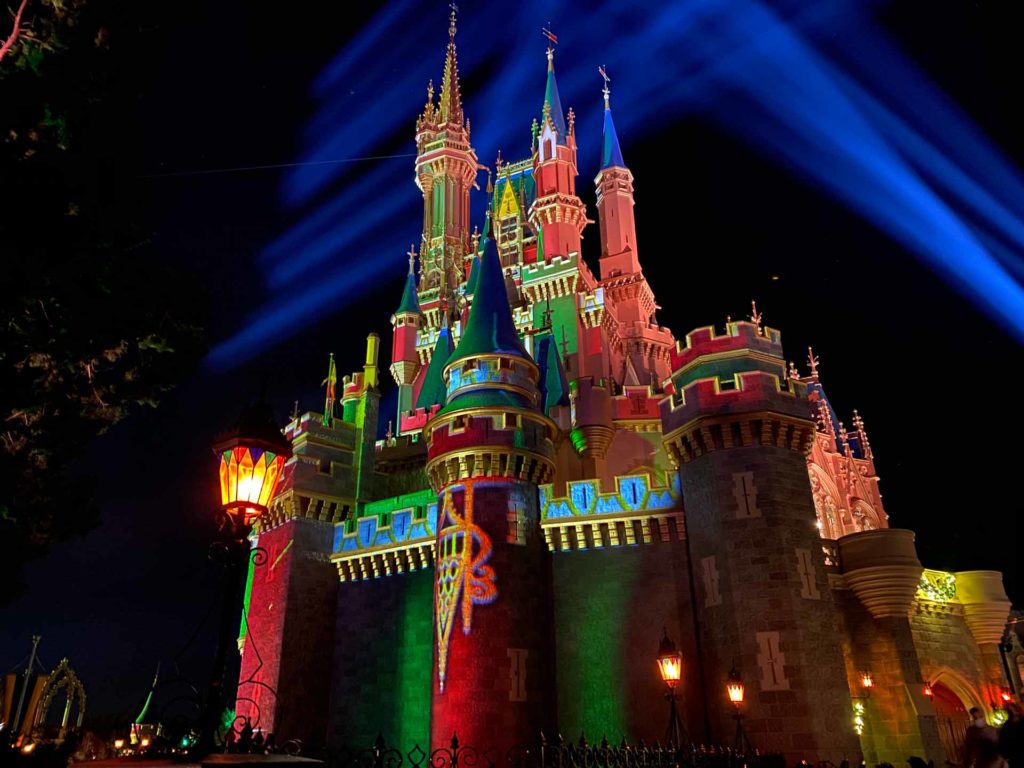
[331, 381]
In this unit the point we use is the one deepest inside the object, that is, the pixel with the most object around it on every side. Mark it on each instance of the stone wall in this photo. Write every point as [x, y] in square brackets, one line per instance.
[611, 607]
[382, 657]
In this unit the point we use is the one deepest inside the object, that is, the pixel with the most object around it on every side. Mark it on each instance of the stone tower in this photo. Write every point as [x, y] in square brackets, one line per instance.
[489, 447]
[740, 430]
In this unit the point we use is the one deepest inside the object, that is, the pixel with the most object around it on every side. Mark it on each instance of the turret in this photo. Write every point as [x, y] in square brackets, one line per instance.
[405, 324]
[740, 428]
[614, 184]
[557, 214]
[639, 348]
[487, 450]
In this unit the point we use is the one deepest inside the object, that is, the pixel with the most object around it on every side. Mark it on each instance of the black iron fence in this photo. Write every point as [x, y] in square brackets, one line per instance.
[554, 753]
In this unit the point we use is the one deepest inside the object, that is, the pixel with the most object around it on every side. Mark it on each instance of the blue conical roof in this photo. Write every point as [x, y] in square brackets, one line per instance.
[611, 155]
[433, 392]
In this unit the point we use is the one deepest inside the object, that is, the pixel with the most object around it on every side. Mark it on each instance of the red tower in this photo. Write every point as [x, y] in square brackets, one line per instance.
[405, 324]
[488, 449]
[557, 215]
[640, 347]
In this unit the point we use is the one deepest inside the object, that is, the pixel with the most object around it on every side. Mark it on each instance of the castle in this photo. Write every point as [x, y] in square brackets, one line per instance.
[564, 481]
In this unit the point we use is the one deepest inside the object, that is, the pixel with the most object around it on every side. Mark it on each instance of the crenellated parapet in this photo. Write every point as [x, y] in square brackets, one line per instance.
[731, 391]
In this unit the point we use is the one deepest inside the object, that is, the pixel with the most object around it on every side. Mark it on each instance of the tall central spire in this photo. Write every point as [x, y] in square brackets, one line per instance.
[451, 97]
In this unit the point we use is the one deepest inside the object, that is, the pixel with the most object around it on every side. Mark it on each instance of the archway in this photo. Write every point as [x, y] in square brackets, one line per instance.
[953, 696]
[62, 680]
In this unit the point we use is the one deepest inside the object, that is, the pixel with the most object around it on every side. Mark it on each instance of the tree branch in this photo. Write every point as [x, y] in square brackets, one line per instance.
[9, 42]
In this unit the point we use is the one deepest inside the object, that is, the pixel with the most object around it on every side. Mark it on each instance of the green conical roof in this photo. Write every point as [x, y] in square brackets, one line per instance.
[409, 303]
[553, 102]
[490, 328]
[474, 274]
[433, 392]
[554, 389]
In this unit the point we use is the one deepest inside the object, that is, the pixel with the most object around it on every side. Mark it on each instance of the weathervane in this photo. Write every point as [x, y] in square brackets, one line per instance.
[552, 40]
[606, 91]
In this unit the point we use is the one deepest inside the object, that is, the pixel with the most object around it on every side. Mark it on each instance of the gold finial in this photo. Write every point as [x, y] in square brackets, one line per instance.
[430, 91]
[755, 317]
[451, 24]
[572, 121]
[498, 162]
[476, 239]
[606, 91]
[812, 362]
[490, 186]
[793, 372]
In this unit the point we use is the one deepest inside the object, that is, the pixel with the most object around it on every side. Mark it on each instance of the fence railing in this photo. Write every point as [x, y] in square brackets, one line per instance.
[553, 753]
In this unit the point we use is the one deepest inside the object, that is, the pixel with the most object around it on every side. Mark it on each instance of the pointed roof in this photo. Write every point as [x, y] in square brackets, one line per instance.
[554, 388]
[434, 390]
[474, 274]
[410, 302]
[552, 101]
[490, 328]
[451, 98]
[611, 154]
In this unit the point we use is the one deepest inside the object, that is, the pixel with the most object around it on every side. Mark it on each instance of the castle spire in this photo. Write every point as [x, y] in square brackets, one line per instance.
[611, 154]
[552, 108]
[433, 391]
[410, 302]
[451, 97]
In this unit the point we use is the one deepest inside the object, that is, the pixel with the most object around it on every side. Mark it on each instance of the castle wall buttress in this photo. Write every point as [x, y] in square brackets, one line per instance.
[285, 671]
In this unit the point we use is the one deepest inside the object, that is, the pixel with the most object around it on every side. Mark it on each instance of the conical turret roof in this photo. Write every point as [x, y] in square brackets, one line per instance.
[490, 328]
[433, 392]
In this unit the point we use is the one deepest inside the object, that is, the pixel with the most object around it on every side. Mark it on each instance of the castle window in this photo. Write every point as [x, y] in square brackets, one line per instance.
[325, 466]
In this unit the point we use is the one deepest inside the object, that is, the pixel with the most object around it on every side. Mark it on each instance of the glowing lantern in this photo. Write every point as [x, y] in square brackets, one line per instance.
[145, 741]
[928, 691]
[670, 662]
[118, 743]
[252, 455]
[1005, 696]
[867, 679]
[734, 687]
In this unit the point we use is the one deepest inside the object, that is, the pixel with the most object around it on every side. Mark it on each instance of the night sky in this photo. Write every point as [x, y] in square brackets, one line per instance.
[230, 85]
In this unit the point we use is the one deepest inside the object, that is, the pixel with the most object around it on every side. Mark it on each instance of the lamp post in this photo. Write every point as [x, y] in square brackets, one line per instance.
[736, 691]
[670, 665]
[251, 455]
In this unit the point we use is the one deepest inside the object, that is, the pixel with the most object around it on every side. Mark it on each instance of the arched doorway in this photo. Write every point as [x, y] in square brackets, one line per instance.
[952, 720]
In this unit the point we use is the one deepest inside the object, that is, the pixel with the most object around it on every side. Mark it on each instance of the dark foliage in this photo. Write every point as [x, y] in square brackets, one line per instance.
[92, 324]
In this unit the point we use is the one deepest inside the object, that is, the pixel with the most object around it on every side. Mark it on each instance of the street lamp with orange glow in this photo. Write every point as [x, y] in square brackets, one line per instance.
[670, 665]
[736, 691]
[251, 456]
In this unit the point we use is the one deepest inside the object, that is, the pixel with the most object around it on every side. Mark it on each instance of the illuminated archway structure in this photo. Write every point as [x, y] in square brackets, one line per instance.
[62, 680]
